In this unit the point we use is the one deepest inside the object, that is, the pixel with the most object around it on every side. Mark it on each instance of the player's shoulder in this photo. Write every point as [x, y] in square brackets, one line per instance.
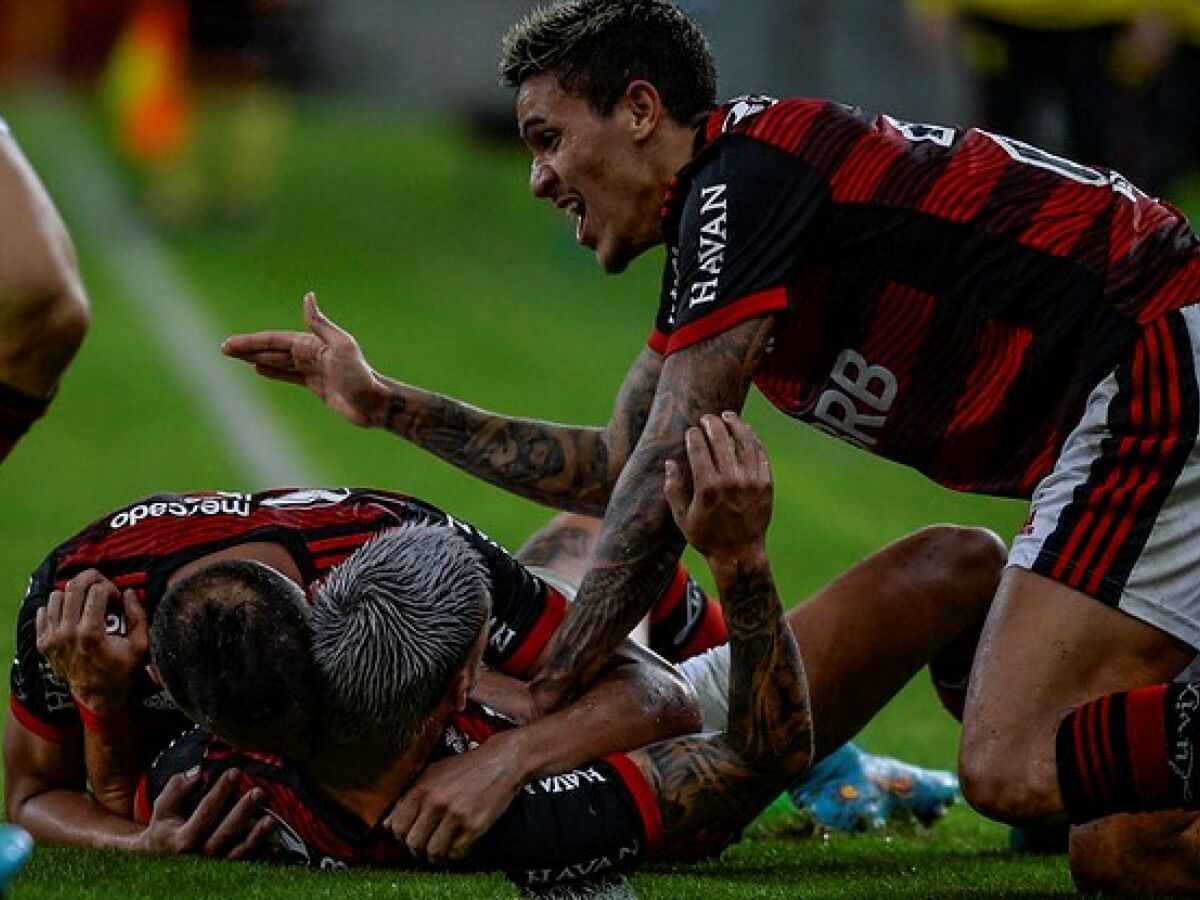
[755, 137]
[771, 119]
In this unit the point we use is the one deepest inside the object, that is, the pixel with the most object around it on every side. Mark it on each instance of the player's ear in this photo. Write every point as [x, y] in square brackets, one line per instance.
[152, 671]
[461, 687]
[644, 108]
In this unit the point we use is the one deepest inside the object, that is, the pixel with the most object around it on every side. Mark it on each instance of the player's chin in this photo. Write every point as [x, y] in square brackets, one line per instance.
[614, 258]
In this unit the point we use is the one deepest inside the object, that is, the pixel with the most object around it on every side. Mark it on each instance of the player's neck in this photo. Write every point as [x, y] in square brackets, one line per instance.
[368, 784]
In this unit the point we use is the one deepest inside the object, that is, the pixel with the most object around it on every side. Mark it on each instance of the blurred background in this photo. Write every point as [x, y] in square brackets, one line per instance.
[216, 159]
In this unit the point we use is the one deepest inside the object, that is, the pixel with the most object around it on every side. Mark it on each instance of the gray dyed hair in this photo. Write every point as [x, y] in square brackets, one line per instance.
[392, 626]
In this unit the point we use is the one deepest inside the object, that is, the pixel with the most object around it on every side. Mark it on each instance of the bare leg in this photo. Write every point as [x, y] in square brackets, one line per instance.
[43, 310]
[1046, 649]
[868, 632]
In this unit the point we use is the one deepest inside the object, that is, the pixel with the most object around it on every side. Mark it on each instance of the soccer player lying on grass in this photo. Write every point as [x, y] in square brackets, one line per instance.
[395, 667]
[146, 546]
[84, 708]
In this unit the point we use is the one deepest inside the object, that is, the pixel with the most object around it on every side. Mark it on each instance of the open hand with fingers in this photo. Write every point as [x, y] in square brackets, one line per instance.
[325, 359]
[214, 827]
[96, 656]
[455, 800]
[722, 503]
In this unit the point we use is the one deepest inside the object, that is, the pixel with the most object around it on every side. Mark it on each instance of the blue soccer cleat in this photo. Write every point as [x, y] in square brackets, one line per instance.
[837, 794]
[907, 790]
[851, 790]
[16, 846]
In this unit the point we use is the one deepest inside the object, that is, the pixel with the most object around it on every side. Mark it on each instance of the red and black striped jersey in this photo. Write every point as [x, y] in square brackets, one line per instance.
[943, 297]
[141, 545]
[584, 823]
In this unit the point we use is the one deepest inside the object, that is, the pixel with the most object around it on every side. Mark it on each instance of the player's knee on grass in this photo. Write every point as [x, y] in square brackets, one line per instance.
[1137, 854]
[1000, 779]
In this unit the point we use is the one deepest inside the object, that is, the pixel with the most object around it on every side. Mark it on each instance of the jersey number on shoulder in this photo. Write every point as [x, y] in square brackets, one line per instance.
[943, 136]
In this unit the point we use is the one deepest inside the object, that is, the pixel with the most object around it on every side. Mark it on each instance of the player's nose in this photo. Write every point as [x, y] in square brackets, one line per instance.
[541, 179]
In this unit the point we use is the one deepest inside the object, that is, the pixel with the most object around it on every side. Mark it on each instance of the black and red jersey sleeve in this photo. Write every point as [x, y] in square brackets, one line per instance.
[742, 231]
[526, 612]
[38, 698]
[580, 824]
[685, 621]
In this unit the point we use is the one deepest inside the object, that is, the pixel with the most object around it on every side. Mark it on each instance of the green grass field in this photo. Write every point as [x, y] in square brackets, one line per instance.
[423, 242]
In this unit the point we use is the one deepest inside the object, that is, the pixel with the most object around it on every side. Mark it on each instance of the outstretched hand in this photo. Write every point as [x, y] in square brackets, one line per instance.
[724, 507]
[326, 359]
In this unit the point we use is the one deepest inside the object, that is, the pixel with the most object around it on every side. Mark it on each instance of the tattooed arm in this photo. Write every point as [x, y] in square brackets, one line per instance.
[639, 545]
[566, 467]
[716, 783]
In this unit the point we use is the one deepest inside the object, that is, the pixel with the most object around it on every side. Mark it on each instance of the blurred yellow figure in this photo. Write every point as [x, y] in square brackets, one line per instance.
[146, 86]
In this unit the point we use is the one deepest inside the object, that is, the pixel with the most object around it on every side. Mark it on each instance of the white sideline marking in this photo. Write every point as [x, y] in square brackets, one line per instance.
[256, 439]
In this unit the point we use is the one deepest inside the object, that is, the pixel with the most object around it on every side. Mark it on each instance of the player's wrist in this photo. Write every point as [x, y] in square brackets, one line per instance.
[524, 757]
[731, 563]
[102, 714]
[377, 403]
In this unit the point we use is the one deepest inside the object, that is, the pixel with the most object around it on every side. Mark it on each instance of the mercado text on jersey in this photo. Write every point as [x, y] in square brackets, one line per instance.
[945, 298]
[142, 544]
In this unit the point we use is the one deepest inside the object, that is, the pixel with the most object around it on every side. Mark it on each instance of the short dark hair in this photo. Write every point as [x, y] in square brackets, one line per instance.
[232, 645]
[595, 48]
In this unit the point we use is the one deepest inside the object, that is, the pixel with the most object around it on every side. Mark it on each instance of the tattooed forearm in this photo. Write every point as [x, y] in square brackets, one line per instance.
[639, 545]
[770, 721]
[567, 467]
[632, 409]
[628, 574]
[616, 608]
[558, 465]
[704, 790]
[713, 784]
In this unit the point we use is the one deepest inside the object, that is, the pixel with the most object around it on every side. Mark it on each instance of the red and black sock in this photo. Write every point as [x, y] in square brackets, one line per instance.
[1131, 752]
[18, 411]
[685, 621]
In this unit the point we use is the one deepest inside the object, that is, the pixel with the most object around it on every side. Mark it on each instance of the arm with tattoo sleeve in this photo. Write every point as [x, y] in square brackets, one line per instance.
[639, 698]
[639, 546]
[562, 466]
[718, 782]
